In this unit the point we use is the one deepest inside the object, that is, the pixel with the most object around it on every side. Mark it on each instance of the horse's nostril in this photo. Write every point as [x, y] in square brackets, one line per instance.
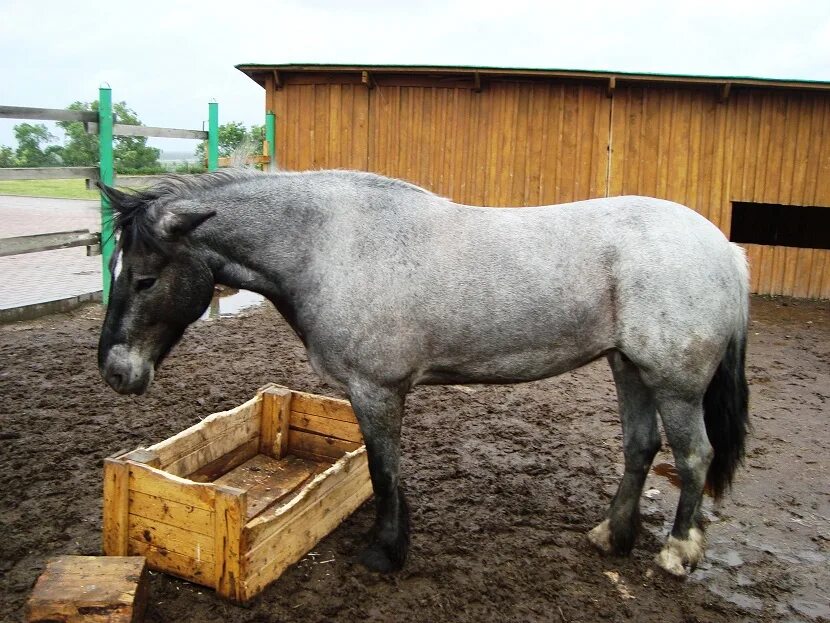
[116, 380]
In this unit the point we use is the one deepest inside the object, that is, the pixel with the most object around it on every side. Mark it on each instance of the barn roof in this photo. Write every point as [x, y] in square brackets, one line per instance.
[259, 71]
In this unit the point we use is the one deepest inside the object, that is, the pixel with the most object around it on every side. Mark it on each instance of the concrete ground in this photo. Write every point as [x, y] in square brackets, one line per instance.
[37, 278]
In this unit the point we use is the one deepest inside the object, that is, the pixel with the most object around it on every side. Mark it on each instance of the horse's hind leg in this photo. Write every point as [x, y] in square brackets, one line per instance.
[641, 441]
[686, 432]
[379, 411]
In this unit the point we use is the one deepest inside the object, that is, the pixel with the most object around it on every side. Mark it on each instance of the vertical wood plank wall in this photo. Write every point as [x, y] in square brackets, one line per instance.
[518, 143]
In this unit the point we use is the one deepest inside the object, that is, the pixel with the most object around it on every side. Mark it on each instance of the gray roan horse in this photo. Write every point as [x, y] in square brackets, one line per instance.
[389, 286]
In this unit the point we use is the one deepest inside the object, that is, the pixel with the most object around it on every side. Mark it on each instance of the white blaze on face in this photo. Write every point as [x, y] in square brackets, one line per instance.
[119, 263]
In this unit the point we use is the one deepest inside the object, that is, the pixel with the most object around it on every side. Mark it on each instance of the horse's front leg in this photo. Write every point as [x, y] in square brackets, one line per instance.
[379, 411]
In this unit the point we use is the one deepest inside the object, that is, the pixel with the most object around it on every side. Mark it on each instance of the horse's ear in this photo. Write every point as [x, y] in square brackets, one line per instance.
[174, 225]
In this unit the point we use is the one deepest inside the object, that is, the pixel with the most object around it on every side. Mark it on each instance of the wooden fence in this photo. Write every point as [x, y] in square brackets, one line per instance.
[101, 123]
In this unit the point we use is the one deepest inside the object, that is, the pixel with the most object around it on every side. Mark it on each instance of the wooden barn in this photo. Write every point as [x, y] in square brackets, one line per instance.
[751, 155]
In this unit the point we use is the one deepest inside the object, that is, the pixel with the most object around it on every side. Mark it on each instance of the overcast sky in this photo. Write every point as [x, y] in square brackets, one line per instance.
[168, 58]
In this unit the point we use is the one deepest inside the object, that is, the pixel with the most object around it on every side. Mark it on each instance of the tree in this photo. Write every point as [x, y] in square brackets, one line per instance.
[132, 154]
[33, 148]
[80, 148]
[7, 158]
[233, 136]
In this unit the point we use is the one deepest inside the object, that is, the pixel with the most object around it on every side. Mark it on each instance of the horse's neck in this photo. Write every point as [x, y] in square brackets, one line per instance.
[260, 248]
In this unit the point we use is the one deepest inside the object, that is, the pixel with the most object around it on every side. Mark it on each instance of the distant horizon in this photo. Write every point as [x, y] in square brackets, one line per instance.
[170, 155]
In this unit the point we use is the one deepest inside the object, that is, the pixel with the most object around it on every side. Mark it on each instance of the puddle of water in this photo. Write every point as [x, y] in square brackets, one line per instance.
[727, 558]
[669, 472]
[230, 302]
[812, 609]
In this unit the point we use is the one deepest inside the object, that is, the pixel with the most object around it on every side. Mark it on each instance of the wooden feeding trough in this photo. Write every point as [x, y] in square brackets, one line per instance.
[234, 500]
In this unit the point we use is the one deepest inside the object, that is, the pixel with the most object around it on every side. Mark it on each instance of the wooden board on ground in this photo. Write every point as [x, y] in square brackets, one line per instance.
[90, 589]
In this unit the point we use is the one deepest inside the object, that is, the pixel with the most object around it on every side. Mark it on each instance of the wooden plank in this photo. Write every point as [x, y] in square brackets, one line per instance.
[226, 462]
[141, 455]
[303, 533]
[123, 129]
[822, 189]
[216, 447]
[813, 161]
[323, 406]
[46, 114]
[161, 559]
[790, 271]
[764, 269]
[152, 481]
[317, 458]
[158, 510]
[262, 527]
[777, 275]
[230, 514]
[742, 180]
[319, 444]
[48, 173]
[18, 245]
[318, 425]
[824, 292]
[821, 263]
[789, 145]
[802, 275]
[319, 155]
[334, 123]
[266, 480]
[777, 145]
[276, 403]
[753, 253]
[719, 172]
[253, 159]
[172, 538]
[802, 145]
[116, 507]
[201, 434]
[90, 588]
[726, 163]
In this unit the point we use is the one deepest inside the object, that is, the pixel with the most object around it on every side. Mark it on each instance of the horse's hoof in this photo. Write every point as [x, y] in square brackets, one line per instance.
[377, 558]
[600, 537]
[679, 557]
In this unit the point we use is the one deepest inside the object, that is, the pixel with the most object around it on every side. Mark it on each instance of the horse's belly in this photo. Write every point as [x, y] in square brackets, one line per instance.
[513, 367]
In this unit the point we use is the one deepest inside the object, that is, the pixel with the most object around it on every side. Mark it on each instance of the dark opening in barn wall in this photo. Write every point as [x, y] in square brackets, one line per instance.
[807, 227]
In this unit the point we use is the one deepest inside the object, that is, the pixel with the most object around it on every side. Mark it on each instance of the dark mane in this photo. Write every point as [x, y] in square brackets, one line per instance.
[132, 219]
[134, 211]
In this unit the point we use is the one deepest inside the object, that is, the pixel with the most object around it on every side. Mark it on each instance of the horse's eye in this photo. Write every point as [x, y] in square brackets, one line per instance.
[144, 284]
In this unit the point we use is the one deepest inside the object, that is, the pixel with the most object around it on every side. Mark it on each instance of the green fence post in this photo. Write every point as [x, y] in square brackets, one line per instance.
[106, 172]
[213, 136]
[271, 137]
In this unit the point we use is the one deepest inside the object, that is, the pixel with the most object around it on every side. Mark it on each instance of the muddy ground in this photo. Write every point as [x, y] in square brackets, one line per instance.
[503, 483]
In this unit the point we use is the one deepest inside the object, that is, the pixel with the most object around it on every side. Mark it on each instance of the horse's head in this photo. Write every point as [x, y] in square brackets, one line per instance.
[160, 285]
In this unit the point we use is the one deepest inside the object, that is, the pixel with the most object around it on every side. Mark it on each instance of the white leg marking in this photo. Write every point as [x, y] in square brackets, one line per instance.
[678, 554]
[600, 537]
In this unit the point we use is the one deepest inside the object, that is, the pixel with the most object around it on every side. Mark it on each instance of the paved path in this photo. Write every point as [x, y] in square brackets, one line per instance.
[50, 275]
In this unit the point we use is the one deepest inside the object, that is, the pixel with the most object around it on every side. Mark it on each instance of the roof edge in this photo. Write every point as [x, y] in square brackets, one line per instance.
[250, 69]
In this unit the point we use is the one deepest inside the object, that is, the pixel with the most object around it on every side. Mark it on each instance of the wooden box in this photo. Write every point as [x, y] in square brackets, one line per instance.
[90, 589]
[234, 500]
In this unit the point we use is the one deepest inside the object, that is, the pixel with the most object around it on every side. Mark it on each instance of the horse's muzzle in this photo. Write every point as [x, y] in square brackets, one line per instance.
[125, 371]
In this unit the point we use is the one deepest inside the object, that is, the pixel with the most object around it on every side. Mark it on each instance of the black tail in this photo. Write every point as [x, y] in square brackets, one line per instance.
[726, 413]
